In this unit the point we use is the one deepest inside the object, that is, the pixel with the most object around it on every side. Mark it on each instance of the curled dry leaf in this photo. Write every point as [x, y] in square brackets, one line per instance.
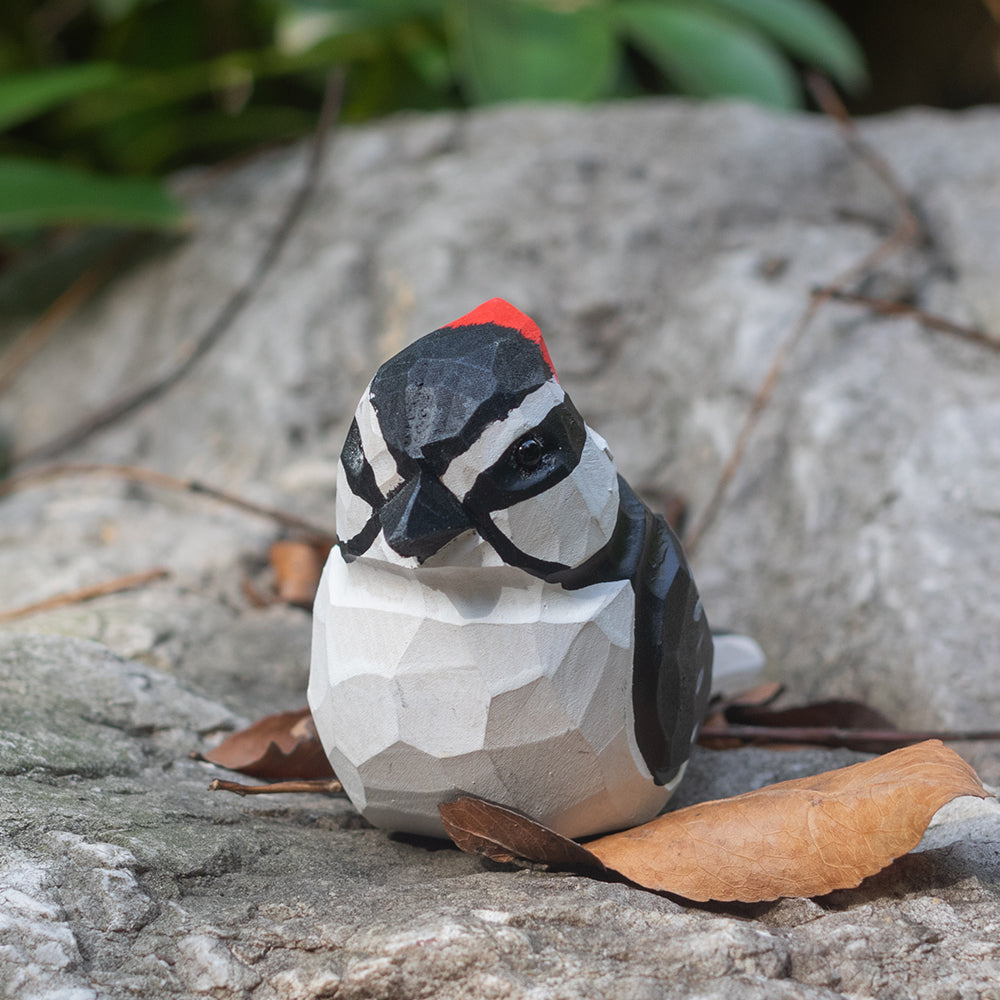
[717, 715]
[805, 837]
[841, 713]
[841, 717]
[278, 747]
[758, 696]
[297, 568]
[500, 834]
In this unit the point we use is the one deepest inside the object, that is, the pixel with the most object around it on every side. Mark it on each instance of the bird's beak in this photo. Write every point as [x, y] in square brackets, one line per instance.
[422, 517]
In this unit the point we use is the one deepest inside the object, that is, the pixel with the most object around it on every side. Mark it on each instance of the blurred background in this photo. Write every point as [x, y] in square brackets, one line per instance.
[101, 99]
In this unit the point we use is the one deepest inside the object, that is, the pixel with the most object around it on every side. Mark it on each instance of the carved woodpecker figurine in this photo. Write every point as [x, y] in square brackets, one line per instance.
[502, 616]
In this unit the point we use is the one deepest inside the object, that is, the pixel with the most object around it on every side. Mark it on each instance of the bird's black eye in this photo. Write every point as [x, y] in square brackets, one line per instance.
[528, 452]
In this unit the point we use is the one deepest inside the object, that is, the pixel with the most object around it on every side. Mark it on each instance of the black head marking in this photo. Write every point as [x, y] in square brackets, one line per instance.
[360, 475]
[436, 396]
[435, 399]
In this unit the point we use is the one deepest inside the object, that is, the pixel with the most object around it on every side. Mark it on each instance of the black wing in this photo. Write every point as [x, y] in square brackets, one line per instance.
[672, 659]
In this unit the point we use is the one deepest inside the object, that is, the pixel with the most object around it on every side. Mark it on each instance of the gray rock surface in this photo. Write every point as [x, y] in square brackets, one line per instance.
[121, 875]
[666, 250]
[663, 248]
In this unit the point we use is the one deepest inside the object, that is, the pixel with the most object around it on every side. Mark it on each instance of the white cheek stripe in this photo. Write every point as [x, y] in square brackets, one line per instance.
[352, 511]
[383, 465]
[488, 448]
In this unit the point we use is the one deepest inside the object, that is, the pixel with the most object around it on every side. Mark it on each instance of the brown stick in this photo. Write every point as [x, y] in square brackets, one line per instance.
[151, 477]
[888, 307]
[764, 393]
[324, 786]
[833, 736]
[128, 582]
[828, 99]
[224, 319]
[907, 230]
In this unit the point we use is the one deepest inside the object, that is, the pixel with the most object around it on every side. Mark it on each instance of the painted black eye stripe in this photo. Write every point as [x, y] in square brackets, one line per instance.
[360, 474]
[363, 540]
[361, 481]
[532, 464]
[560, 436]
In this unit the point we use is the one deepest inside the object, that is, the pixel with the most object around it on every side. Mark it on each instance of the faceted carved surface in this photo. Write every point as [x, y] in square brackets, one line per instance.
[421, 695]
[499, 599]
[577, 516]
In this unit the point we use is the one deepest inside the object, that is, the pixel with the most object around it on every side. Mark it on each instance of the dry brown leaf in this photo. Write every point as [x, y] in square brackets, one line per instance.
[500, 834]
[760, 695]
[838, 714]
[277, 747]
[804, 837]
[297, 568]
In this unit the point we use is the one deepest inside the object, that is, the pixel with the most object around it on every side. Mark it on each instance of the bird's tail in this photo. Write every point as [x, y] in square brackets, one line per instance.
[738, 664]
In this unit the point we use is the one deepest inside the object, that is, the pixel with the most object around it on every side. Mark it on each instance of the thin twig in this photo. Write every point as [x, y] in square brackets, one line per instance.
[906, 231]
[826, 96]
[128, 582]
[227, 315]
[835, 736]
[26, 346]
[888, 307]
[764, 393]
[325, 786]
[32, 477]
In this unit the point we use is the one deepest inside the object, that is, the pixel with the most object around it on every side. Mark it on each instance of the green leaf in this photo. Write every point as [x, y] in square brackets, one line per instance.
[810, 31]
[157, 89]
[115, 10]
[302, 23]
[509, 50]
[25, 95]
[152, 143]
[395, 10]
[34, 193]
[708, 55]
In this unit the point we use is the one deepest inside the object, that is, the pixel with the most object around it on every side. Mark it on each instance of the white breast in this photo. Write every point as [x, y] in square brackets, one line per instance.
[431, 683]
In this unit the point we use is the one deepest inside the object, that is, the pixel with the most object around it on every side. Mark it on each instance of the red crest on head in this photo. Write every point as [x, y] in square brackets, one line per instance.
[502, 313]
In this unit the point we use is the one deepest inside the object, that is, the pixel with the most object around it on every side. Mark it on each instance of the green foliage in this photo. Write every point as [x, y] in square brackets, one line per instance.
[707, 55]
[34, 193]
[23, 96]
[808, 31]
[94, 91]
[518, 50]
